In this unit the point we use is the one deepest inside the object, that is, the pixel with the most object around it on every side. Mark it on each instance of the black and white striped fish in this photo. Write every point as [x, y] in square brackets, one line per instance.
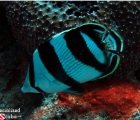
[72, 57]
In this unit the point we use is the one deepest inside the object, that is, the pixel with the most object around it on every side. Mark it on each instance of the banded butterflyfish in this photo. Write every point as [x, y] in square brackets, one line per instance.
[72, 57]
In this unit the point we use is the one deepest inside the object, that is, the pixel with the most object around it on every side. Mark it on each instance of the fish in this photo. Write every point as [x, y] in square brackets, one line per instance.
[72, 57]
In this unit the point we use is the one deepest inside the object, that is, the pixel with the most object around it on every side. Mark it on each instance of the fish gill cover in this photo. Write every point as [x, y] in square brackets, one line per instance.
[24, 25]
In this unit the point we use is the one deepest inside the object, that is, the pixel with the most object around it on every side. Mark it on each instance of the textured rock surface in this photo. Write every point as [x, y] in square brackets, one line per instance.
[31, 23]
[116, 98]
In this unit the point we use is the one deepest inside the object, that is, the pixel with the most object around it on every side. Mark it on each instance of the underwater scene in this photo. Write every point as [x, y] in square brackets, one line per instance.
[69, 60]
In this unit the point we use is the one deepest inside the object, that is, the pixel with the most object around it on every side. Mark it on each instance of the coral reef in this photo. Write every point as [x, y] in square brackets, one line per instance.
[24, 25]
[135, 116]
[33, 22]
[117, 98]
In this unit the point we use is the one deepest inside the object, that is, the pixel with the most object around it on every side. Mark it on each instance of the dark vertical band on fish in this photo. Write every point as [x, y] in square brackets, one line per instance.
[53, 65]
[79, 49]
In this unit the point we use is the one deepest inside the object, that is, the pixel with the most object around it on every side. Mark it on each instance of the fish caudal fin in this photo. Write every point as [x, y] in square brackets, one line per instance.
[26, 88]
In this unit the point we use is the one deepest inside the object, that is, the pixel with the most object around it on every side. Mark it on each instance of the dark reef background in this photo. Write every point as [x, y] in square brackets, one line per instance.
[24, 25]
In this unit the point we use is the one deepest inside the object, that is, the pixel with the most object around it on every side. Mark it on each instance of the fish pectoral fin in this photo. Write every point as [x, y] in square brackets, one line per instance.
[75, 90]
